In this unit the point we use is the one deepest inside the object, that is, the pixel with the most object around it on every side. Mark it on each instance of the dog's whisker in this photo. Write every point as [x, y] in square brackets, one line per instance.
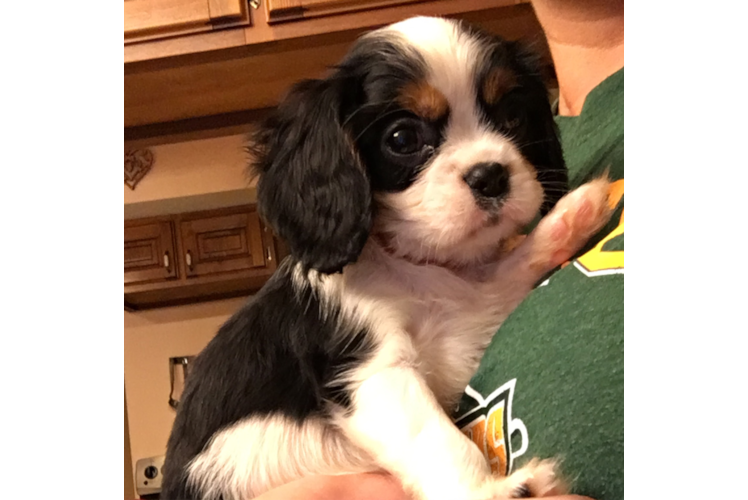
[521, 145]
[358, 110]
[383, 114]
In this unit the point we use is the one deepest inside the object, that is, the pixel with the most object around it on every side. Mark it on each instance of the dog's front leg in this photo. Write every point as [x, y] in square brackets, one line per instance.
[398, 421]
[558, 236]
[396, 418]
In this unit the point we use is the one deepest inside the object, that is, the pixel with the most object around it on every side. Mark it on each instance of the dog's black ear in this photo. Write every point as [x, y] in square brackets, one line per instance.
[312, 187]
[541, 144]
[537, 133]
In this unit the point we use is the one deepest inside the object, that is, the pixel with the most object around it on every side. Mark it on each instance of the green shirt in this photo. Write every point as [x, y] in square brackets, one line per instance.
[551, 382]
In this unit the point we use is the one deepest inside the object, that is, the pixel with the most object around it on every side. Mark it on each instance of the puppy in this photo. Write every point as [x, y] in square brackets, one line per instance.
[400, 183]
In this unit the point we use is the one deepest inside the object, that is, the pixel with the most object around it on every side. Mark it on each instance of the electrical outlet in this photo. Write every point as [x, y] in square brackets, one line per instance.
[148, 475]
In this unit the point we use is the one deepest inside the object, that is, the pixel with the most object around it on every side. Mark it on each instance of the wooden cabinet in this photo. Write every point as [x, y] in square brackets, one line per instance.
[287, 10]
[222, 243]
[187, 74]
[197, 256]
[155, 19]
[149, 252]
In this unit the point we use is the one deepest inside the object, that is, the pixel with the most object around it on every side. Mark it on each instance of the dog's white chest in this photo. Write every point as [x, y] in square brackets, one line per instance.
[448, 319]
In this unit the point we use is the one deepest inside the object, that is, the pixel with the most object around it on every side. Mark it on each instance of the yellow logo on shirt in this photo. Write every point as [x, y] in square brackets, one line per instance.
[490, 426]
[597, 261]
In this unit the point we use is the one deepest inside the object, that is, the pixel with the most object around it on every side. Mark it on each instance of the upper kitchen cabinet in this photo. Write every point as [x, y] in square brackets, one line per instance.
[150, 254]
[289, 10]
[222, 243]
[202, 65]
[158, 19]
[196, 256]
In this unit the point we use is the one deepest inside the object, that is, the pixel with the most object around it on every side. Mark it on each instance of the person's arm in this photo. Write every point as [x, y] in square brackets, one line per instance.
[368, 486]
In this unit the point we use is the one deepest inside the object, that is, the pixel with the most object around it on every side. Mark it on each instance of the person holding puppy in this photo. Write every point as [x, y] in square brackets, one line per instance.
[551, 382]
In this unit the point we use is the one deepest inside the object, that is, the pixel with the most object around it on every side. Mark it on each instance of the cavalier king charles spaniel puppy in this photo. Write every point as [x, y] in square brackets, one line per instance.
[401, 183]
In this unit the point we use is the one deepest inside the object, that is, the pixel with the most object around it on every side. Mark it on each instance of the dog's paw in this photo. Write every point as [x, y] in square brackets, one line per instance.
[575, 218]
[539, 478]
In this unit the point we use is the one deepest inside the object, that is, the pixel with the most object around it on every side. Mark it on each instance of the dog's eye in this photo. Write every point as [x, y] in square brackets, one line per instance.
[395, 146]
[405, 141]
[409, 141]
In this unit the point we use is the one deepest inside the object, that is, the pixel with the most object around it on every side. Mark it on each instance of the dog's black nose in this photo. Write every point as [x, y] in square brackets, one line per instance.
[488, 180]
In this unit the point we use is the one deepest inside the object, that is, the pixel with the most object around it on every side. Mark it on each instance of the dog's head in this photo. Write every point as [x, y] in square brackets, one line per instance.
[435, 139]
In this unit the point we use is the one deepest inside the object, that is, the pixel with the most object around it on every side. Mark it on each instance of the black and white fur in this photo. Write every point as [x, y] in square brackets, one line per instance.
[352, 355]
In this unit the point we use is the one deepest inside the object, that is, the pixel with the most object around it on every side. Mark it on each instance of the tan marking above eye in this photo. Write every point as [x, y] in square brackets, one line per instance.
[423, 100]
[498, 82]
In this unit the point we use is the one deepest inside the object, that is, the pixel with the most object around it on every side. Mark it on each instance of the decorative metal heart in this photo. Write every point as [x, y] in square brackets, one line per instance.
[137, 163]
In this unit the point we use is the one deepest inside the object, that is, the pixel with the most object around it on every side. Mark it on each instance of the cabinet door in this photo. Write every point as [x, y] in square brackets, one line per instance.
[149, 253]
[288, 10]
[222, 243]
[150, 19]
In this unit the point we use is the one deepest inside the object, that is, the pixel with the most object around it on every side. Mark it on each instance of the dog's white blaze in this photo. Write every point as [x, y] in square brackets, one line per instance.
[452, 57]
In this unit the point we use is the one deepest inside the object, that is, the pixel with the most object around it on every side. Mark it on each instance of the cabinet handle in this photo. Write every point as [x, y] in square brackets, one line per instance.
[270, 256]
[166, 260]
[188, 259]
[255, 4]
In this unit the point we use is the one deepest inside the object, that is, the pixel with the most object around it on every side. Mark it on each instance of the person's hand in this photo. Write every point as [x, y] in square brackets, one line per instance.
[367, 486]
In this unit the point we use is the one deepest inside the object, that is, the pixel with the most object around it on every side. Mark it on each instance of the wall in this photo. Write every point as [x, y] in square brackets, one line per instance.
[193, 168]
[151, 338]
[129, 470]
[186, 176]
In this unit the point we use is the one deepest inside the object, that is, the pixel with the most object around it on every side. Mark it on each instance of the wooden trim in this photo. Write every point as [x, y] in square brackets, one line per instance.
[147, 220]
[239, 209]
[145, 50]
[129, 476]
[196, 280]
[277, 10]
[205, 127]
[191, 203]
[290, 10]
[197, 290]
